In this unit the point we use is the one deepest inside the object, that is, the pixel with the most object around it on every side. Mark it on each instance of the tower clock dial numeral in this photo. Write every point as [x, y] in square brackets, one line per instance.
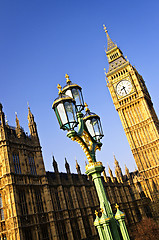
[123, 88]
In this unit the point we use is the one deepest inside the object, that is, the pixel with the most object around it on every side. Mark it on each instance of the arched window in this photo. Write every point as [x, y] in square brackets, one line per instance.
[32, 165]
[23, 203]
[1, 209]
[3, 237]
[16, 163]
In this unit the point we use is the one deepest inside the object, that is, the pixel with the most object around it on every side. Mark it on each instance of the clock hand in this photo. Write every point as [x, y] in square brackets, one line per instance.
[124, 89]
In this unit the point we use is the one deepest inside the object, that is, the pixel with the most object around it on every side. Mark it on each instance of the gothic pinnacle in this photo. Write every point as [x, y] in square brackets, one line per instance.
[17, 121]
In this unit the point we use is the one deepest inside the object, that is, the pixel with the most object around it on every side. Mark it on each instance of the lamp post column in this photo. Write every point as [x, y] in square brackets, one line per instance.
[120, 216]
[99, 227]
[94, 169]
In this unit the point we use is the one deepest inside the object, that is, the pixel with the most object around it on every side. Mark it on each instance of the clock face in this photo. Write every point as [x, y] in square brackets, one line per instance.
[123, 88]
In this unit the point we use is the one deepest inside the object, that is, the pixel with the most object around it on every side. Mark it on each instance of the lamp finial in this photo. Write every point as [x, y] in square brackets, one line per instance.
[117, 206]
[59, 88]
[67, 78]
[86, 106]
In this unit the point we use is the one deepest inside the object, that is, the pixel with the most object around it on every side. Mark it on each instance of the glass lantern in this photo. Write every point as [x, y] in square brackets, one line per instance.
[74, 91]
[93, 125]
[65, 110]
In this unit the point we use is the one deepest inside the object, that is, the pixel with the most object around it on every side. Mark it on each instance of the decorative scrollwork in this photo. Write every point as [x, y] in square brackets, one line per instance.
[83, 145]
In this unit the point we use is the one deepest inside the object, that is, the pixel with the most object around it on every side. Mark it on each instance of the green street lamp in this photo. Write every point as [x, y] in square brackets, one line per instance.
[65, 110]
[74, 91]
[68, 109]
[93, 124]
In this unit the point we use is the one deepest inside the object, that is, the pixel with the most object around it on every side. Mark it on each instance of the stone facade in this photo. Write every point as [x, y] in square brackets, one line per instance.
[35, 204]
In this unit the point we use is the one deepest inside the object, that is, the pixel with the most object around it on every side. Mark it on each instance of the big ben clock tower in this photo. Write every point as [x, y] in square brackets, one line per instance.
[133, 103]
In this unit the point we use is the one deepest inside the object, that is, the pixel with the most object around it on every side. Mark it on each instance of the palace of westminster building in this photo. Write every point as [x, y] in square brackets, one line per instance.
[40, 205]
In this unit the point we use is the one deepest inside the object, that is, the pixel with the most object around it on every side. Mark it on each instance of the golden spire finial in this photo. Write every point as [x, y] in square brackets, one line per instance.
[59, 88]
[67, 78]
[110, 44]
[86, 106]
[96, 212]
[105, 29]
[117, 206]
[28, 106]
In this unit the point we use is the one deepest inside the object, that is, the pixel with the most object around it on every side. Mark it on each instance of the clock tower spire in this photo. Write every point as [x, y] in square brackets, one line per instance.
[114, 54]
[135, 108]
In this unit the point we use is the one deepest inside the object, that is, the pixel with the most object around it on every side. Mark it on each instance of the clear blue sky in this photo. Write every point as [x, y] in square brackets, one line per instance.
[42, 40]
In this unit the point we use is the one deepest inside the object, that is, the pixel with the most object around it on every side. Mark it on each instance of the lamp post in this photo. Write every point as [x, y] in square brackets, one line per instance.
[68, 108]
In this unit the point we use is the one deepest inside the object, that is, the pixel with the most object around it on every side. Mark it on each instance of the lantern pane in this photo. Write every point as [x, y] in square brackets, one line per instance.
[62, 113]
[70, 110]
[69, 93]
[100, 127]
[74, 112]
[76, 96]
[96, 127]
[90, 127]
[58, 117]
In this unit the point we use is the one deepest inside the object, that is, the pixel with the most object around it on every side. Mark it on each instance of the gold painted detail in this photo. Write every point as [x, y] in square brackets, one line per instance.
[86, 107]
[105, 29]
[97, 148]
[67, 78]
[86, 138]
[102, 210]
[59, 88]
[96, 212]
[83, 146]
[117, 206]
[93, 164]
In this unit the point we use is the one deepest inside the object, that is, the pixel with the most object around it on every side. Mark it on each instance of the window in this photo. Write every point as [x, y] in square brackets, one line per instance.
[55, 199]
[75, 229]
[80, 198]
[3, 237]
[148, 211]
[44, 231]
[87, 226]
[68, 198]
[32, 165]
[16, 163]
[62, 230]
[22, 202]
[39, 203]
[131, 193]
[1, 209]
[27, 233]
